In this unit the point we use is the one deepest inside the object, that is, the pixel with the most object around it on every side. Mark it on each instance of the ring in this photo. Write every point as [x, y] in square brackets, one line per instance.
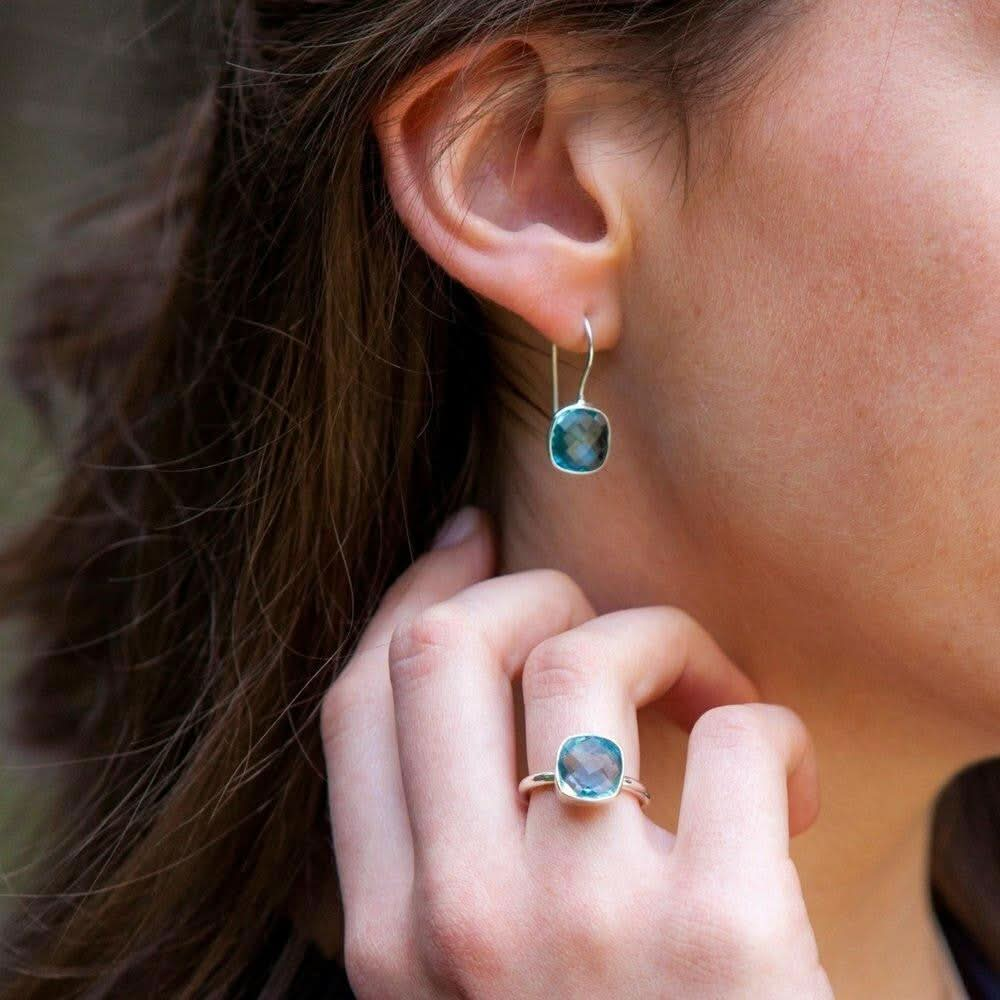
[589, 769]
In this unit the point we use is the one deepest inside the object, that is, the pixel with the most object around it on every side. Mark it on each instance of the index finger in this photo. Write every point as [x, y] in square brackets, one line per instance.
[371, 830]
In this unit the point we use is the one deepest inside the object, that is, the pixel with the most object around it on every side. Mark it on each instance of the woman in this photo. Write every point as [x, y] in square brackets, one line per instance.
[761, 508]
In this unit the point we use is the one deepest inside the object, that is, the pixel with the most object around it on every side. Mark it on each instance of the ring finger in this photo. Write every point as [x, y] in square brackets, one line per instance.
[594, 677]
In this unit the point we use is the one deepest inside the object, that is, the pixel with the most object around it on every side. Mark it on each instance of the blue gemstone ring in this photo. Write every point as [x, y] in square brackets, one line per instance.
[589, 770]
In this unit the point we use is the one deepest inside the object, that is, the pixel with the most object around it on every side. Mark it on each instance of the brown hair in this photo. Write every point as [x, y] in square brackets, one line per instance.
[273, 410]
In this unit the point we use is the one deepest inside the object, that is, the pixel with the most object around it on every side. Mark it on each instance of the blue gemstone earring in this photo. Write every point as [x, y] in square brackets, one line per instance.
[579, 435]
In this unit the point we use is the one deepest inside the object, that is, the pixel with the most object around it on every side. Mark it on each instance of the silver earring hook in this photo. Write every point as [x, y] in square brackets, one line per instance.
[586, 371]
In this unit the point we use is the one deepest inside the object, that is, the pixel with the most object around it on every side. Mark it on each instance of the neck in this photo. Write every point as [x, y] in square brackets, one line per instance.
[864, 864]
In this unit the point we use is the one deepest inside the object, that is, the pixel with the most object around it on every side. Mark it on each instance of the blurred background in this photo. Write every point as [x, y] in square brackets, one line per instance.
[82, 86]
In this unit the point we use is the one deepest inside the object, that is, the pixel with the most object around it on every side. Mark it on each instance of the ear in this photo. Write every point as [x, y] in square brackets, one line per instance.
[513, 183]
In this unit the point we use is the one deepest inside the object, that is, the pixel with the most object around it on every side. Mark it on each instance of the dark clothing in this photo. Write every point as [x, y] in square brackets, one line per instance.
[980, 976]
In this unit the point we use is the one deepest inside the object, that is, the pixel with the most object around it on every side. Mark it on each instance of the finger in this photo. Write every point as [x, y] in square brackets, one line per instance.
[750, 783]
[371, 831]
[439, 573]
[451, 669]
[593, 678]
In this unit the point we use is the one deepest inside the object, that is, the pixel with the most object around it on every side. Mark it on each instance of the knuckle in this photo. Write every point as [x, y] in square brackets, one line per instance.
[421, 644]
[710, 940]
[676, 641]
[589, 922]
[342, 700]
[458, 950]
[368, 963]
[458, 933]
[562, 581]
[736, 938]
[730, 727]
[596, 926]
[555, 668]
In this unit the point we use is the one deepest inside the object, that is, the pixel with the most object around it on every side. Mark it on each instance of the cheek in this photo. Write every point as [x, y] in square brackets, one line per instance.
[871, 317]
[832, 367]
[841, 354]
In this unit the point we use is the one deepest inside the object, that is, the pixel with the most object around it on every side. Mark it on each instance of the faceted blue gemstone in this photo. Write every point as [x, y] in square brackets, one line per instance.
[589, 767]
[579, 438]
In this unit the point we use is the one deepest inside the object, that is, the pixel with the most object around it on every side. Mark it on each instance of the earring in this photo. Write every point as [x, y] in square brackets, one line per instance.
[579, 435]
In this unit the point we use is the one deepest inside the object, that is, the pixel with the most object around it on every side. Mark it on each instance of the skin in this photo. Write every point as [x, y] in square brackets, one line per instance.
[481, 894]
[798, 347]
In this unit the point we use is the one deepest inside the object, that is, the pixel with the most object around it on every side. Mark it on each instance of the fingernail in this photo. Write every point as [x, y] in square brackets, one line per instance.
[457, 528]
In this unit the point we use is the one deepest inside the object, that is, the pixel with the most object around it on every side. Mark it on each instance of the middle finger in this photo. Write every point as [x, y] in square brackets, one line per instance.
[594, 677]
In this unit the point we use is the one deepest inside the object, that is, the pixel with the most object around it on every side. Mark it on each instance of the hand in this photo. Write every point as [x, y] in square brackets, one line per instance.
[454, 887]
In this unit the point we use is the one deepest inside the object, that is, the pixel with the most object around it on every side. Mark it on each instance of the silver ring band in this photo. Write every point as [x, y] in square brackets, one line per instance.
[589, 770]
[541, 778]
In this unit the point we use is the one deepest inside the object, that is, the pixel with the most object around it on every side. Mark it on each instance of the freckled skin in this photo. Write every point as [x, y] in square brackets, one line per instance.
[824, 329]
[799, 356]
[805, 403]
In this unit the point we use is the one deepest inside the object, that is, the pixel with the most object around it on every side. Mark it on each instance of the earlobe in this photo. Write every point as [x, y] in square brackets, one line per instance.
[510, 183]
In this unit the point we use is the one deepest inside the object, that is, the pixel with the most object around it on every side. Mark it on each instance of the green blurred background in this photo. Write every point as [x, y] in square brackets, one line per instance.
[82, 85]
